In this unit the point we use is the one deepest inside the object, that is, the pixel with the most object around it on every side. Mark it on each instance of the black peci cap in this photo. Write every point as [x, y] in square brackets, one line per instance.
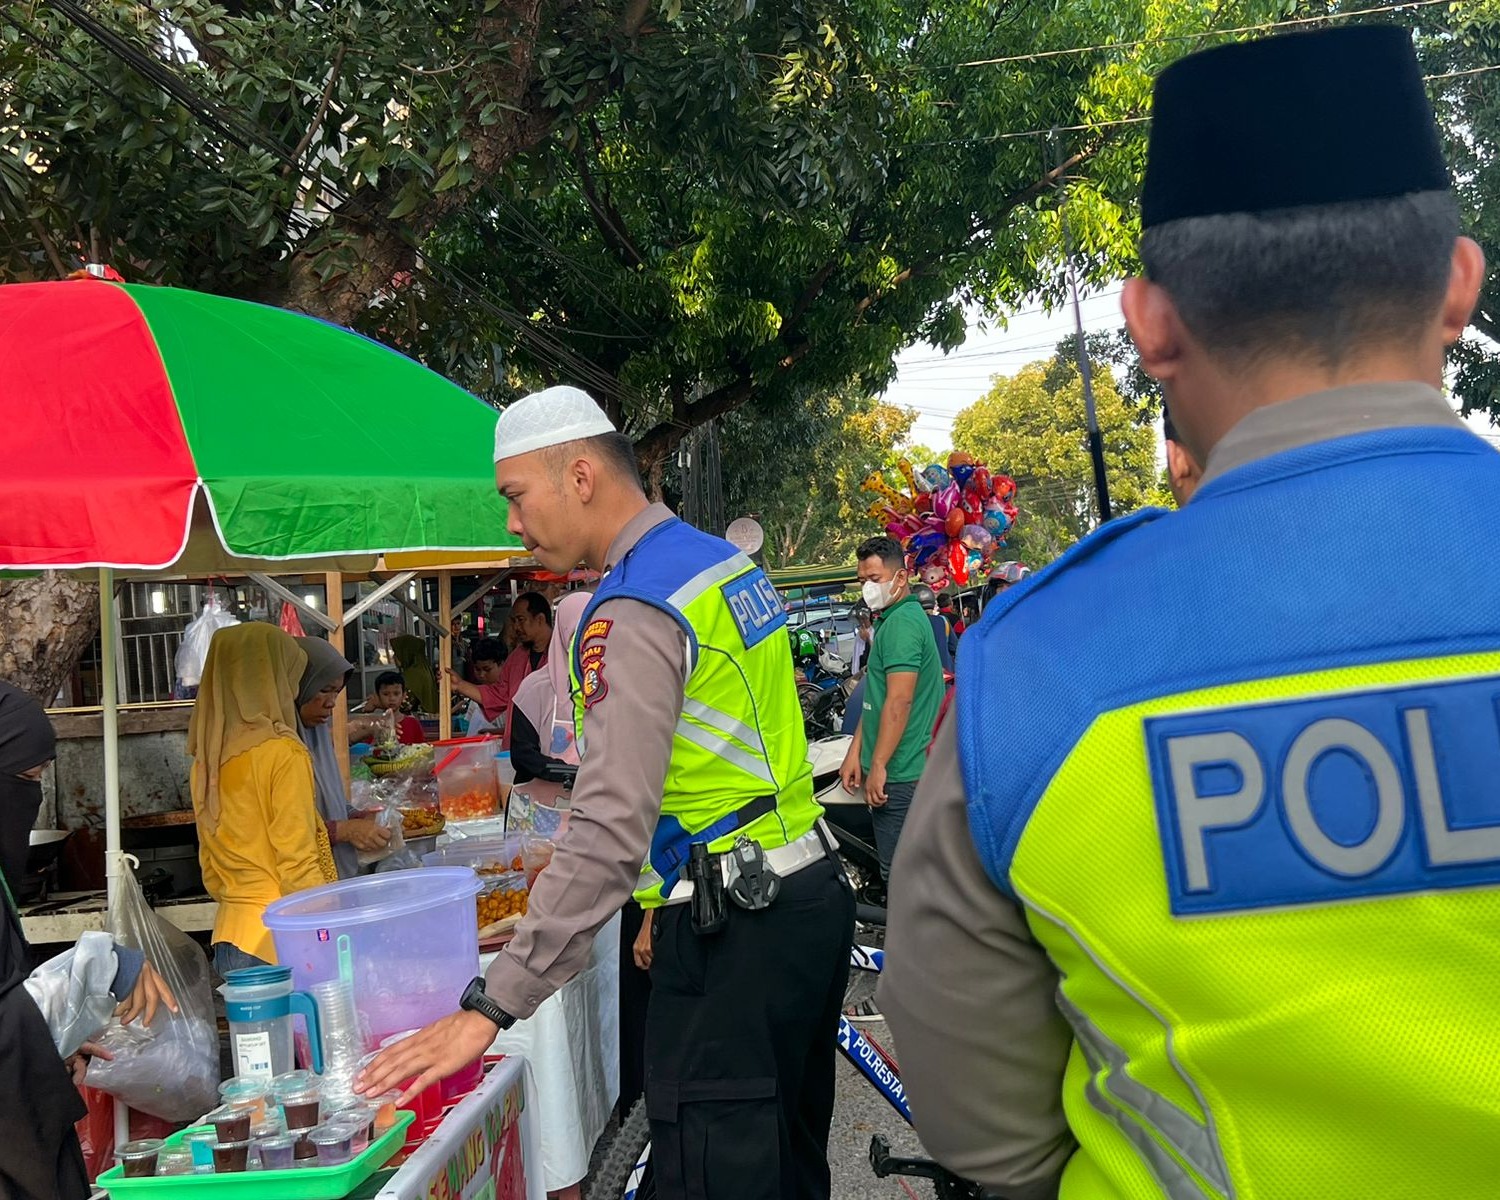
[1284, 122]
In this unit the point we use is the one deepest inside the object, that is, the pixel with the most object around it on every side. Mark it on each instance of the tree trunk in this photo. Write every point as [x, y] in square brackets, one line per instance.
[46, 623]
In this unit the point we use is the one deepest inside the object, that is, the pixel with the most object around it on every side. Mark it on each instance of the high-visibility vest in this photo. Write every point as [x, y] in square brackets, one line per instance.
[739, 754]
[1251, 808]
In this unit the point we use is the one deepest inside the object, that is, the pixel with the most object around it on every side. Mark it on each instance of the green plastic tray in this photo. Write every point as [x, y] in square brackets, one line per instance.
[300, 1183]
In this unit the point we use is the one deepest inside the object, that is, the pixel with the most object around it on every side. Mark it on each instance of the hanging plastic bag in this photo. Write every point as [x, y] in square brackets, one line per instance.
[291, 623]
[170, 1069]
[193, 652]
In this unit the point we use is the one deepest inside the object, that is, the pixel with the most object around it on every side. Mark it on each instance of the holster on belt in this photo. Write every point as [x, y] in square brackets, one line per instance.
[710, 914]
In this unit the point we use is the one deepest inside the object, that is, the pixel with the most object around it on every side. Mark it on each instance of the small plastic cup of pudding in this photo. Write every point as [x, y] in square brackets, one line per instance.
[139, 1158]
[231, 1157]
[176, 1162]
[335, 1144]
[303, 1110]
[278, 1152]
[234, 1092]
[232, 1122]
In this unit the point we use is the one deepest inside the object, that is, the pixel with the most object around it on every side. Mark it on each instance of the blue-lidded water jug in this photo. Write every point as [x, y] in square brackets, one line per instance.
[260, 1004]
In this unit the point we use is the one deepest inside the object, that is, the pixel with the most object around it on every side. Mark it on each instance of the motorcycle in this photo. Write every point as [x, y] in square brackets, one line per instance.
[823, 687]
[849, 819]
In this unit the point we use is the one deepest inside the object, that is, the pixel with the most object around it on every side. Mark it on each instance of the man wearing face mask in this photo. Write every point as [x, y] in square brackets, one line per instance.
[902, 695]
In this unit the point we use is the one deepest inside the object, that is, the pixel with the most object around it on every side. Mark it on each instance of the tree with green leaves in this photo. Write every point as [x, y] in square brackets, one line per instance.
[799, 473]
[688, 209]
[1031, 426]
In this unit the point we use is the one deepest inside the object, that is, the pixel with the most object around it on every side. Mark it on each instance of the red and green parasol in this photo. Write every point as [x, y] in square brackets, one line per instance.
[121, 403]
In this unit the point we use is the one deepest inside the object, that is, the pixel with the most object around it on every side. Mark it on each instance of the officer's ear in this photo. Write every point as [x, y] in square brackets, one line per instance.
[583, 477]
[1155, 327]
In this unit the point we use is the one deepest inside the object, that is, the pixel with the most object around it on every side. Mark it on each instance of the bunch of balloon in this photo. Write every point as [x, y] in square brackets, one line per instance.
[951, 521]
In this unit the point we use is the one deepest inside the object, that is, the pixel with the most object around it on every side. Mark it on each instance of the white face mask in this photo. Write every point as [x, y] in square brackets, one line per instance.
[879, 595]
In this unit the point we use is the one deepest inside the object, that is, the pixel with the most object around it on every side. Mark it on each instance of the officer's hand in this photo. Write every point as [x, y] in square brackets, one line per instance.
[642, 947]
[875, 786]
[447, 1045]
[850, 775]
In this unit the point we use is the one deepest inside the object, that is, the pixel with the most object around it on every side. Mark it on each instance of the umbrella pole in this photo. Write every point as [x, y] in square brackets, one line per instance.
[109, 685]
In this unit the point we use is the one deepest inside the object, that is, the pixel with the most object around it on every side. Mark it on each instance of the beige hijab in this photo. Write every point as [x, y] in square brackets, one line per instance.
[248, 695]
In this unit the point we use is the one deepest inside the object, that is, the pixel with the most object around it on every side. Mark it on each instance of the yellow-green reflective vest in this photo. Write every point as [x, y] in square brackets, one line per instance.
[1246, 786]
[739, 755]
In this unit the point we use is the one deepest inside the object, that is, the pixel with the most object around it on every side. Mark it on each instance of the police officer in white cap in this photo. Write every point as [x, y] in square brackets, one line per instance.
[695, 794]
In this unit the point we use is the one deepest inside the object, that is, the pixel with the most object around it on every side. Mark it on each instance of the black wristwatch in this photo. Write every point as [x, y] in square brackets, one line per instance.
[474, 999]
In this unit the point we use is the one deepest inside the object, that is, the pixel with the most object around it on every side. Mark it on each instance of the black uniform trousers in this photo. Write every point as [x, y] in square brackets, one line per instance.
[741, 1043]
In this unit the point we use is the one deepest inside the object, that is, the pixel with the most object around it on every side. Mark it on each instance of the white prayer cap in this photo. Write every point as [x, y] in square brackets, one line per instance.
[550, 417]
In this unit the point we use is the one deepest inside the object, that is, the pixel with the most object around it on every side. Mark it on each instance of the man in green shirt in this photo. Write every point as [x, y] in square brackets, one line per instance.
[902, 694]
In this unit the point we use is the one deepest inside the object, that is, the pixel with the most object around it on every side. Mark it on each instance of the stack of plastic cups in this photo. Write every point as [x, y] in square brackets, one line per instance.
[344, 1042]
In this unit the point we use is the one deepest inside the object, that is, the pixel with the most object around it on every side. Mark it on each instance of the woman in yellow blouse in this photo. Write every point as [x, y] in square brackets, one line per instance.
[259, 833]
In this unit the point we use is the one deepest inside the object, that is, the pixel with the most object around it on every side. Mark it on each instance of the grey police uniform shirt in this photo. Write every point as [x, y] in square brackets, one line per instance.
[969, 993]
[627, 738]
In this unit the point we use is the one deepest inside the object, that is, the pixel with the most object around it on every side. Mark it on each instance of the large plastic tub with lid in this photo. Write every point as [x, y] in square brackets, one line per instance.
[412, 939]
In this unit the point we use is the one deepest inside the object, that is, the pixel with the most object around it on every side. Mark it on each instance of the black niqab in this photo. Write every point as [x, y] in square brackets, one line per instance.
[26, 741]
[39, 1153]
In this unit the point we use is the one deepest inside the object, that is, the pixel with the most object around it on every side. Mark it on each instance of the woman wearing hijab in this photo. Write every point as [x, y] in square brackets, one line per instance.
[259, 834]
[323, 681]
[541, 715]
[40, 1158]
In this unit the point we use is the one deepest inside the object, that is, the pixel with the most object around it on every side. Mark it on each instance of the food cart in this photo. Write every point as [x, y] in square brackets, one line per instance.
[154, 430]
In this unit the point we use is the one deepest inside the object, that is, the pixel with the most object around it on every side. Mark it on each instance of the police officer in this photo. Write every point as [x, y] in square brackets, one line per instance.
[694, 793]
[1217, 916]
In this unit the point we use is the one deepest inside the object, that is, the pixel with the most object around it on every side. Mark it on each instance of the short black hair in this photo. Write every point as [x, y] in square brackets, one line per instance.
[389, 679]
[886, 549]
[1168, 430]
[536, 605]
[488, 650]
[614, 449]
[1320, 283]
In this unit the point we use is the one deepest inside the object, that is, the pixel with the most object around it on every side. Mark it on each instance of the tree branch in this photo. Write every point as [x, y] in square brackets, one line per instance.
[322, 111]
[49, 246]
[606, 217]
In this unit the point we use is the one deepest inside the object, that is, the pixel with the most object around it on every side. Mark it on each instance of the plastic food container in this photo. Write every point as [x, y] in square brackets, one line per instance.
[335, 1144]
[303, 1110]
[413, 943]
[277, 1153]
[468, 785]
[502, 896]
[138, 1159]
[231, 1157]
[232, 1122]
[494, 855]
[175, 1162]
[240, 1091]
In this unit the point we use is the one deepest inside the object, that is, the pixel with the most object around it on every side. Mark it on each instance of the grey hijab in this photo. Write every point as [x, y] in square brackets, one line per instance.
[326, 665]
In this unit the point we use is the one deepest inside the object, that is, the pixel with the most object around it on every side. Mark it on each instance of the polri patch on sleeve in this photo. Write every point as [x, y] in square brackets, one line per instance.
[595, 631]
[594, 686]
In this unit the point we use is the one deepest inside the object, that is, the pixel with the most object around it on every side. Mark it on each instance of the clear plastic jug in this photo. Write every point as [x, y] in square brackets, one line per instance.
[259, 1003]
